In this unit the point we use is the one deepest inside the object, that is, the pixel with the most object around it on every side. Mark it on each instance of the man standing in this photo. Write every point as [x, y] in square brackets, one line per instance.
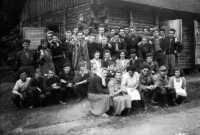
[164, 90]
[101, 34]
[92, 45]
[159, 49]
[20, 91]
[26, 59]
[171, 45]
[80, 51]
[162, 33]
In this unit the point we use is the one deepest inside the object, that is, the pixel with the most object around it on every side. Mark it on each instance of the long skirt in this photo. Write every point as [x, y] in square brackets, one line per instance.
[181, 92]
[135, 95]
[99, 103]
[120, 103]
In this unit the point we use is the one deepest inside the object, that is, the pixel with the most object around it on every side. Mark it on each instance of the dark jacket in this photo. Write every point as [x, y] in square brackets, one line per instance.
[132, 42]
[145, 81]
[67, 48]
[171, 46]
[144, 49]
[96, 87]
[162, 44]
[153, 67]
[49, 81]
[105, 63]
[102, 48]
[34, 83]
[67, 77]
[92, 47]
[78, 77]
[137, 63]
[121, 46]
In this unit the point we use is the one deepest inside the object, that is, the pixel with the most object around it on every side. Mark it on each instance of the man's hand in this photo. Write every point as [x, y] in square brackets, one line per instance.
[62, 81]
[109, 45]
[175, 52]
[150, 42]
[139, 44]
[69, 85]
[39, 89]
[21, 96]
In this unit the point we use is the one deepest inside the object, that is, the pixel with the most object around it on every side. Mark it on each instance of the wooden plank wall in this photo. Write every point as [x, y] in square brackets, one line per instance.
[33, 22]
[35, 8]
[73, 12]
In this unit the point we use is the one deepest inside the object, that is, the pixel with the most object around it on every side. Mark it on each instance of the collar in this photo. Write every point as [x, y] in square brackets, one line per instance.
[135, 58]
[116, 82]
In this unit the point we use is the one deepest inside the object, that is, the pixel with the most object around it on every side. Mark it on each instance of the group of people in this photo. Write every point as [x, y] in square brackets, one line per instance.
[115, 69]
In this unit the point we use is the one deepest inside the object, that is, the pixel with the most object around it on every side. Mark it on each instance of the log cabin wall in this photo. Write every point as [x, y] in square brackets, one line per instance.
[73, 12]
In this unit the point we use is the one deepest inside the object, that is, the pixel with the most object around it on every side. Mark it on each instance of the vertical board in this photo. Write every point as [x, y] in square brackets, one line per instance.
[197, 42]
[35, 35]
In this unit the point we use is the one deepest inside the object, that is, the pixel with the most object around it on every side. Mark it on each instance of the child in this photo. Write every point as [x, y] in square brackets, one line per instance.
[58, 54]
[96, 62]
[111, 70]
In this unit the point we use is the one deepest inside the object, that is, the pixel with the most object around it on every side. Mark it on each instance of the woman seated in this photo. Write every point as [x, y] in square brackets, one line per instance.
[130, 82]
[121, 100]
[179, 83]
[98, 94]
[122, 63]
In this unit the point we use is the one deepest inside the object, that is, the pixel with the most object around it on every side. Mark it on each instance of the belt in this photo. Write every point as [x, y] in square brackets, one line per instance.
[59, 56]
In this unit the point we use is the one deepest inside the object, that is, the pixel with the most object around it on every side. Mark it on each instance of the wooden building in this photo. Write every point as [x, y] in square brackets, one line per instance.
[183, 15]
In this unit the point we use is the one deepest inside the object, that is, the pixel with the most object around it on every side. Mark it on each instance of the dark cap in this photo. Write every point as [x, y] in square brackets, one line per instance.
[43, 40]
[132, 51]
[146, 66]
[26, 40]
[21, 71]
[67, 65]
[149, 55]
[172, 29]
[131, 68]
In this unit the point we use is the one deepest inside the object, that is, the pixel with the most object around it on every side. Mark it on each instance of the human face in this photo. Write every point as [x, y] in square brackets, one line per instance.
[104, 41]
[133, 55]
[81, 18]
[23, 76]
[49, 37]
[75, 31]
[38, 74]
[112, 67]
[146, 31]
[122, 55]
[107, 56]
[68, 36]
[112, 32]
[130, 73]
[80, 36]
[104, 73]
[144, 40]
[156, 34]
[126, 30]
[91, 39]
[86, 32]
[101, 31]
[96, 56]
[162, 33]
[132, 31]
[55, 38]
[83, 68]
[44, 45]
[149, 59]
[121, 32]
[116, 38]
[145, 71]
[171, 34]
[67, 69]
[177, 73]
[118, 76]
[26, 45]
[51, 74]
[163, 72]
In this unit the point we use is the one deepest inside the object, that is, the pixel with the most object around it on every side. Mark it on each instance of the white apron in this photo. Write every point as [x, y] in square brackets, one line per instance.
[178, 87]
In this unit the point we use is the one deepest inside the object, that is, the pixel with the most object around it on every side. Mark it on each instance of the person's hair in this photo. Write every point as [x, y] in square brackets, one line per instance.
[172, 29]
[111, 63]
[121, 28]
[146, 67]
[43, 41]
[96, 52]
[80, 32]
[156, 30]
[37, 70]
[132, 27]
[126, 26]
[179, 69]
[119, 72]
[92, 34]
[146, 28]
[83, 63]
[56, 34]
[80, 15]
[131, 68]
[116, 34]
[66, 65]
[69, 32]
[26, 40]
[21, 71]
[51, 69]
[122, 51]
[106, 51]
[101, 26]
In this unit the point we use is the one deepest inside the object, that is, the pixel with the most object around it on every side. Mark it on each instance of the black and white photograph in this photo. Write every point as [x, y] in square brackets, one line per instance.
[99, 67]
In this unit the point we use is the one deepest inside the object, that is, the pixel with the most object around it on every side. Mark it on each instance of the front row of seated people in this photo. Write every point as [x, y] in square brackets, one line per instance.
[107, 89]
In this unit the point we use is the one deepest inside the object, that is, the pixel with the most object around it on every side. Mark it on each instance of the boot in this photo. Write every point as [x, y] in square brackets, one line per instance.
[80, 98]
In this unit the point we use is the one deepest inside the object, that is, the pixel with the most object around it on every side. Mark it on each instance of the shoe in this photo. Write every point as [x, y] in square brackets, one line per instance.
[165, 105]
[105, 115]
[79, 99]
[174, 103]
[154, 102]
[129, 112]
[31, 107]
[62, 103]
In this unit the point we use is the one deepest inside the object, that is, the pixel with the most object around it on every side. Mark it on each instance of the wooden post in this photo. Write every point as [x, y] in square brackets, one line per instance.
[131, 17]
[64, 20]
[106, 20]
[156, 20]
[21, 27]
